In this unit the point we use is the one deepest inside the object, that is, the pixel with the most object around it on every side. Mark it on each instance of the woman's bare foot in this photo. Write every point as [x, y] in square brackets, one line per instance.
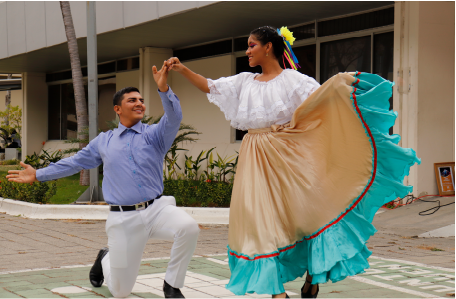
[283, 295]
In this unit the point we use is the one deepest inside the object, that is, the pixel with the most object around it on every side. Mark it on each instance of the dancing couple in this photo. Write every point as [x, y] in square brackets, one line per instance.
[315, 166]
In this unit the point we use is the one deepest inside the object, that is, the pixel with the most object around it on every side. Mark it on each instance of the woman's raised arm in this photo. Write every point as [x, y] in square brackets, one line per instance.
[199, 81]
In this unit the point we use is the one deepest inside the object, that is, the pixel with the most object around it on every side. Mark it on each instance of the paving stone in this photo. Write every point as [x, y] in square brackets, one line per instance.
[5, 294]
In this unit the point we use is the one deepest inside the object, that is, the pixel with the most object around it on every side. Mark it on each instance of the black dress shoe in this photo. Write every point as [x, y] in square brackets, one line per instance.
[171, 292]
[96, 273]
[309, 294]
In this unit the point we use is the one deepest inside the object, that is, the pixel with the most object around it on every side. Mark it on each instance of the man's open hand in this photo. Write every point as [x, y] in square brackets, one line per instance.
[28, 175]
[161, 76]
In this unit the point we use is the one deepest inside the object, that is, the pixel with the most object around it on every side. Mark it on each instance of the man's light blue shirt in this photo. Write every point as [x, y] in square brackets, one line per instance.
[132, 157]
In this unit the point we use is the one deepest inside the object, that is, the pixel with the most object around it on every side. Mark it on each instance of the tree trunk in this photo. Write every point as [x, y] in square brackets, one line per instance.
[78, 86]
[7, 102]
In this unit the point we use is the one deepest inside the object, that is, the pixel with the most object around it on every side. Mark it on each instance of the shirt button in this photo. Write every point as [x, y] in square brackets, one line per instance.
[128, 144]
[130, 157]
[139, 186]
[134, 171]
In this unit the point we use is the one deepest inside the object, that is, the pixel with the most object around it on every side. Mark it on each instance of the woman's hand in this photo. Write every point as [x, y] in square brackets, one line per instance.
[161, 76]
[197, 80]
[28, 175]
[175, 64]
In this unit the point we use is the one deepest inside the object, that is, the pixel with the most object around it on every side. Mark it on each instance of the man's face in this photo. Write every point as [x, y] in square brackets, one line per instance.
[131, 107]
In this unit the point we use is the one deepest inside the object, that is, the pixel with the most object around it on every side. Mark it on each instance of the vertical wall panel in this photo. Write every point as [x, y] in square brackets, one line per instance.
[109, 16]
[171, 7]
[35, 25]
[55, 30]
[3, 31]
[16, 28]
[136, 12]
[79, 14]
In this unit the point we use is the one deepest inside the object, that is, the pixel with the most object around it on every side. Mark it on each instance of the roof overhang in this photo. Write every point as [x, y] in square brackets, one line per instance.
[10, 84]
[213, 22]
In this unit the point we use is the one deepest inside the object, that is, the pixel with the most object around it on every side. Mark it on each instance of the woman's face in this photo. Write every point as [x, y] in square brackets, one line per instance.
[256, 51]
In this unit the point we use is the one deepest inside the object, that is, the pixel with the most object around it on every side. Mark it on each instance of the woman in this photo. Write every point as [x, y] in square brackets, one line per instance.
[314, 168]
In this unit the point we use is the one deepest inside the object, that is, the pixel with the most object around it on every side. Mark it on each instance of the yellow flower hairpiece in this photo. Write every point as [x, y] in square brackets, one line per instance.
[287, 34]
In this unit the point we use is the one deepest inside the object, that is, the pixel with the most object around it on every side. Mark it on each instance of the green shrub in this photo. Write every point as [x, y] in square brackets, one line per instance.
[34, 192]
[43, 160]
[10, 162]
[199, 193]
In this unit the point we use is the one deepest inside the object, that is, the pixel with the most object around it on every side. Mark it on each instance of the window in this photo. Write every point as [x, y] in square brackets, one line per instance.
[62, 122]
[128, 64]
[54, 112]
[383, 59]
[358, 22]
[307, 59]
[346, 55]
[206, 50]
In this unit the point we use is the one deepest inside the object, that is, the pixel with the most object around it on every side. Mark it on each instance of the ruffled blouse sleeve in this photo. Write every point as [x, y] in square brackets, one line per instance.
[302, 89]
[225, 92]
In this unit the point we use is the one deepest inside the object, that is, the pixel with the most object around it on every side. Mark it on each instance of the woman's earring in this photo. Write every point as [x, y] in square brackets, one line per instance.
[267, 54]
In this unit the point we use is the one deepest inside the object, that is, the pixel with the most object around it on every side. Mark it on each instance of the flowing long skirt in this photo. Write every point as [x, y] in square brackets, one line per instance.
[305, 193]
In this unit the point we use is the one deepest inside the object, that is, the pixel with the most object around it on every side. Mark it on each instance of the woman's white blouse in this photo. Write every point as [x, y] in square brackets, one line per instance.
[251, 104]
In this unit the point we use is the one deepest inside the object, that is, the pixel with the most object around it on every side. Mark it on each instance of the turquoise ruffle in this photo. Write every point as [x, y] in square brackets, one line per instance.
[340, 250]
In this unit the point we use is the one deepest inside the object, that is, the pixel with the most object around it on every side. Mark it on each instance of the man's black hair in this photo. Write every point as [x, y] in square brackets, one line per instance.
[118, 96]
[266, 34]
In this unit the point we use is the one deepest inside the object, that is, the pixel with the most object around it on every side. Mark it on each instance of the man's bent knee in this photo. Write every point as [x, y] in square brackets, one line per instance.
[188, 229]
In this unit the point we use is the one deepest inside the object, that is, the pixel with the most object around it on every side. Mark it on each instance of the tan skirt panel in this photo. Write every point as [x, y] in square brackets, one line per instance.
[292, 180]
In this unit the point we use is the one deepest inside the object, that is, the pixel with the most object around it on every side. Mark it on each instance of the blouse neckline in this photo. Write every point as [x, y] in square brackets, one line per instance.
[269, 81]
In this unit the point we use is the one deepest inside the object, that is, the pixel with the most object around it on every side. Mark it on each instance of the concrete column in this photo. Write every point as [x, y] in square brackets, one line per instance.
[34, 113]
[424, 91]
[149, 57]
[405, 92]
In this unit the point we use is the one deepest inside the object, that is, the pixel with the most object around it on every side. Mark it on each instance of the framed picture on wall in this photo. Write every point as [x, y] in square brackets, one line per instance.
[444, 174]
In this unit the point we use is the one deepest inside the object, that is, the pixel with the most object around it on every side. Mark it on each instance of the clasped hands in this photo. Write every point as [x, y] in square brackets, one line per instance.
[161, 76]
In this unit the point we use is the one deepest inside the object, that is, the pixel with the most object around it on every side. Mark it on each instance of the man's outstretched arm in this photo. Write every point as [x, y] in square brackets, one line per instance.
[87, 158]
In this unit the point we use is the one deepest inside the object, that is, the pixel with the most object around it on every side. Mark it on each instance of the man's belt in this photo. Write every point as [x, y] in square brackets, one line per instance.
[136, 207]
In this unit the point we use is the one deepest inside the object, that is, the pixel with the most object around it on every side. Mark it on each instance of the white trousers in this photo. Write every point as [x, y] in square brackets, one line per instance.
[128, 233]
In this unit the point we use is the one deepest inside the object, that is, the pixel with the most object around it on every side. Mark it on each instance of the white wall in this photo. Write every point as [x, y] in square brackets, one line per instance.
[105, 105]
[30, 25]
[204, 116]
[424, 92]
[125, 79]
[16, 99]
[436, 90]
[35, 113]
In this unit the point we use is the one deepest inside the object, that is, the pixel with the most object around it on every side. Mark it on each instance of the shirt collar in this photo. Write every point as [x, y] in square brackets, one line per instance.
[138, 127]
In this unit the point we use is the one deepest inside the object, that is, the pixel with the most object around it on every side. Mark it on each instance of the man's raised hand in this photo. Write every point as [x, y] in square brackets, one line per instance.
[161, 76]
[28, 175]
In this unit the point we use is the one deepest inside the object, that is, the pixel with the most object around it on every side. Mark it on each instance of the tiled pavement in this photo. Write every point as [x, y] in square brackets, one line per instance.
[207, 276]
[27, 246]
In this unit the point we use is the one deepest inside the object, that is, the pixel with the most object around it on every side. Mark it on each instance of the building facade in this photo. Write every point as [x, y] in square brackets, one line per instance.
[411, 43]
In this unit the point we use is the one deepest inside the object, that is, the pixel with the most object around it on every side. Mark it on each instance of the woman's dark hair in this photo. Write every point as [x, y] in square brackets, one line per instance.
[266, 34]
[118, 96]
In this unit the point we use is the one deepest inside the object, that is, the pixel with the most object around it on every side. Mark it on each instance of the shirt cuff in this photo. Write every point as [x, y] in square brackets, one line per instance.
[41, 175]
[170, 95]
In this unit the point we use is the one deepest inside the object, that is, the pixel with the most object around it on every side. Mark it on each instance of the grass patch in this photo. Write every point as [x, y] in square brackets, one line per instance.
[431, 248]
[68, 189]
[436, 249]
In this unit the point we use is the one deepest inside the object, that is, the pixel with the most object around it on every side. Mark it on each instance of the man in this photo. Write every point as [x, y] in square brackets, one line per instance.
[132, 157]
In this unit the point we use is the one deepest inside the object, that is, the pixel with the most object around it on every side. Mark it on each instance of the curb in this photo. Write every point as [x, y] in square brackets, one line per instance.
[97, 212]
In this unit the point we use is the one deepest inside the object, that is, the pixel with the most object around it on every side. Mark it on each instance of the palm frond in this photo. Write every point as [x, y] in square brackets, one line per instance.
[186, 127]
